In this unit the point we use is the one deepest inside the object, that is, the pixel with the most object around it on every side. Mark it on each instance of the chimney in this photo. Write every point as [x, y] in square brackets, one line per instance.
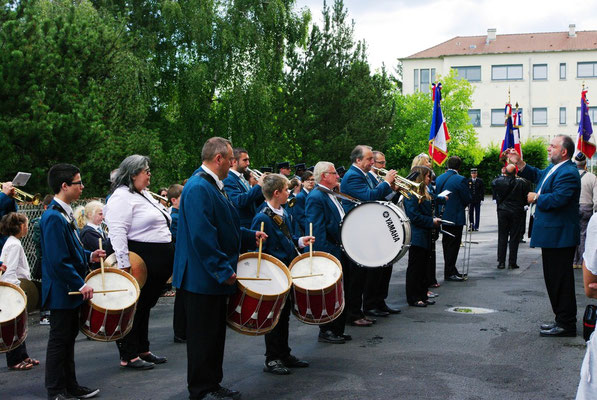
[572, 30]
[490, 35]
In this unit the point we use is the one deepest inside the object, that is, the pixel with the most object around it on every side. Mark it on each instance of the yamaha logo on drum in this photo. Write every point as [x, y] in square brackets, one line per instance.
[391, 227]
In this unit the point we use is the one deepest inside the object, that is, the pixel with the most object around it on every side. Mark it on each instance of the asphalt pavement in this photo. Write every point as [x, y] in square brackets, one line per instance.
[422, 353]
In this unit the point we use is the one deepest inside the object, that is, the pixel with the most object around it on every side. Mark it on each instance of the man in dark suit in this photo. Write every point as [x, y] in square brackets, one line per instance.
[556, 228]
[325, 212]
[453, 211]
[7, 205]
[245, 198]
[360, 184]
[208, 244]
[64, 266]
[298, 211]
[477, 189]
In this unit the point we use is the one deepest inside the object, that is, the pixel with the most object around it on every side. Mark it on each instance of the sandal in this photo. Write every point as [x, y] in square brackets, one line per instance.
[419, 303]
[32, 361]
[169, 293]
[435, 285]
[22, 366]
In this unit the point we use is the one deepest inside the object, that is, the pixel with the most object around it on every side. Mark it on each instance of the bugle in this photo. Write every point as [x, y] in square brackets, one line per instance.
[405, 186]
[24, 197]
[256, 174]
[158, 198]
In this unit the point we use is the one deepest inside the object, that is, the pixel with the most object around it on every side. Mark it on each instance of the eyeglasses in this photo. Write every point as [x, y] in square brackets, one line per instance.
[332, 173]
[76, 183]
[147, 170]
[310, 180]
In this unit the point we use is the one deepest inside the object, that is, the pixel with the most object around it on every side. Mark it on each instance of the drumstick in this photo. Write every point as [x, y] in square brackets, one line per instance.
[311, 249]
[102, 265]
[100, 291]
[306, 276]
[259, 255]
[254, 279]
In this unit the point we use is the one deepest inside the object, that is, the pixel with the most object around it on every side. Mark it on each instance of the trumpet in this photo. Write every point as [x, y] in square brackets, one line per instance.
[257, 174]
[158, 198]
[405, 186]
[24, 197]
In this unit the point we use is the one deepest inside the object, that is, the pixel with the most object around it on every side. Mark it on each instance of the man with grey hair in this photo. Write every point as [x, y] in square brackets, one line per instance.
[588, 203]
[555, 228]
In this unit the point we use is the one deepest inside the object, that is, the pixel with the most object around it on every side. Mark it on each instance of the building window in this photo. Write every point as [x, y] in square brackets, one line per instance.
[506, 72]
[592, 115]
[539, 116]
[425, 81]
[475, 116]
[498, 117]
[432, 75]
[586, 70]
[540, 72]
[471, 74]
[562, 115]
[416, 80]
[562, 70]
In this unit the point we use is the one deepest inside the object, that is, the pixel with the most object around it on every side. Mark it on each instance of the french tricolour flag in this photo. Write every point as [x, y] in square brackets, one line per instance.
[438, 134]
[585, 128]
[512, 137]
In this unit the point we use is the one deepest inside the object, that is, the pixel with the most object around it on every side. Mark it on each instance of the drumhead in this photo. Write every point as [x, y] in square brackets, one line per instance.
[373, 235]
[328, 268]
[12, 302]
[247, 268]
[113, 300]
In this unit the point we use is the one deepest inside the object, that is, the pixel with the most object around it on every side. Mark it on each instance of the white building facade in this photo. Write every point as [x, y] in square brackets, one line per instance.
[544, 72]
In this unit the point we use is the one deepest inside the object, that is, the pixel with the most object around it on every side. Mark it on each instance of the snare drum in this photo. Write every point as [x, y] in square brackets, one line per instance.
[256, 306]
[318, 299]
[109, 316]
[375, 234]
[138, 267]
[13, 316]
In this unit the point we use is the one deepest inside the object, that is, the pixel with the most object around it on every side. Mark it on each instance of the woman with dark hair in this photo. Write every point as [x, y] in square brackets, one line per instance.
[421, 222]
[138, 223]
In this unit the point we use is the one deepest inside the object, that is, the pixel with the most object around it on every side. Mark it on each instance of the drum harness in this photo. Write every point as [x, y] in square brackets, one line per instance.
[279, 221]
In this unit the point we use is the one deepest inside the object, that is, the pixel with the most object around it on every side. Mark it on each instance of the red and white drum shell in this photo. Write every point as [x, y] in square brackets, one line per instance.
[256, 306]
[13, 316]
[318, 299]
[109, 316]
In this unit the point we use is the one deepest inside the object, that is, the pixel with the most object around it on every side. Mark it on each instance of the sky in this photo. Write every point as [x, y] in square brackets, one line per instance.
[399, 28]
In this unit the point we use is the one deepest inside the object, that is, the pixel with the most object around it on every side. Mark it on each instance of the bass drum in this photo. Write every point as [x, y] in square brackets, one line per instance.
[375, 234]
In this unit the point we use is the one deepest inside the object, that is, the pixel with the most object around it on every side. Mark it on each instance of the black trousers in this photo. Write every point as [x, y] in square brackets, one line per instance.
[60, 355]
[559, 281]
[451, 246]
[377, 287]
[276, 341]
[510, 226]
[416, 279]
[159, 258]
[430, 272]
[206, 337]
[474, 215]
[338, 325]
[16, 355]
[355, 291]
[179, 321]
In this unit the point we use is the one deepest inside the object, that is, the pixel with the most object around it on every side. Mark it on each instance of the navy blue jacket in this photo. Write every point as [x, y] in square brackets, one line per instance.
[277, 244]
[421, 221]
[458, 199]
[556, 221]
[7, 205]
[64, 261]
[208, 241]
[323, 213]
[174, 224]
[245, 201]
[90, 239]
[298, 211]
[355, 184]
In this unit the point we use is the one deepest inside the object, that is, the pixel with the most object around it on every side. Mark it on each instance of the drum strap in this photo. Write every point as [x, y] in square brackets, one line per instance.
[339, 195]
[157, 208]
[279, 221]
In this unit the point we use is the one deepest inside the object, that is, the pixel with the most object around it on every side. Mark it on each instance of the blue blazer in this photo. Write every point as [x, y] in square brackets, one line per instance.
[298, 211]
[458, 199]
[208, 240]
[323, 213]
[90, 239]
[556, 221]
[244, 200]
[421, 221]
[277, 244]
[174, 224]
[355, 184]
[64, 261]
[7, 205]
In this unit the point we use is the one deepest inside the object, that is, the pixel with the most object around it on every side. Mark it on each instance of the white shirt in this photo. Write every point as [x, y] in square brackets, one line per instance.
[135, 216]
[17, 266]
[66, 207]
[590, 254]
[210, 172]
[367, 175]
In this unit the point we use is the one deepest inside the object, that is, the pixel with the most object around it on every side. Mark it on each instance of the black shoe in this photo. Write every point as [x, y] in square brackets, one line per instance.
[293, 362]
[513, 266]
[454, 278]
[82, 392]
[222, 393]
[430, 302]
[548, 326]
[370, 319]
[501, 266]
[390, 310]
[179, 339]
[375, 312]
[329, 337]
[558, 331]
[138, 364]
[275, 367]
[152, 358]
[346, 337]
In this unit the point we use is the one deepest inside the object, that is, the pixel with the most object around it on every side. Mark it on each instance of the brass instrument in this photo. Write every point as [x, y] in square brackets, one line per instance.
[158, 198]
[257, 174]
[24, 197]
[405, 186]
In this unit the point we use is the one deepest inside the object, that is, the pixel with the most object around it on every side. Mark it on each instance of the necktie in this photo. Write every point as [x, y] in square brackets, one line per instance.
[369, 181]
[245, 183]
[101, 232]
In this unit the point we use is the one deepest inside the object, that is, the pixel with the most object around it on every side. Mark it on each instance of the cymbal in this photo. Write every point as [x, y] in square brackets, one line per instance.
[138, 267]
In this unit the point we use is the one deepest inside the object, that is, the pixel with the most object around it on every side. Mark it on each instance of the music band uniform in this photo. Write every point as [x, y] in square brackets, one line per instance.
[246, 199]
[90, 236]
[477, 189]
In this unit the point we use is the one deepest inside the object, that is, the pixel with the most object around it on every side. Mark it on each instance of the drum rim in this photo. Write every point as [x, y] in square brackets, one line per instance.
[111, 261]
[323, 254]
[272, 259]
[120, 272]
[18, 289]
[323, 321]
